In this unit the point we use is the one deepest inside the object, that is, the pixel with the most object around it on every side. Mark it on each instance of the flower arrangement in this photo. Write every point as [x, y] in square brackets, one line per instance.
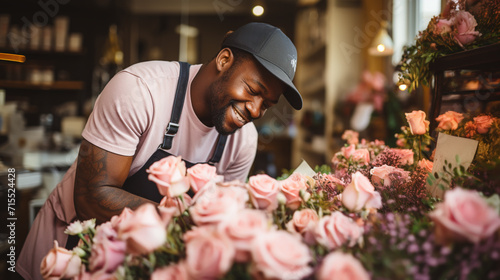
[462, 25]
[484, 128]
[368, 215]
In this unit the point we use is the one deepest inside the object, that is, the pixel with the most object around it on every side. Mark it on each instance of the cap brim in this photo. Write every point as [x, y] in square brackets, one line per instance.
[291, 94]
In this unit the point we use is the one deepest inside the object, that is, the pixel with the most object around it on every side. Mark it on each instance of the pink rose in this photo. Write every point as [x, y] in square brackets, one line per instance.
[176, 202]
[280, 255]
[167, 213]
[418, 124]
[378, 81]
[465, 24]
[449, 120]
[401, 142]
[464, 215]
[217, 204]
[443, 26]
[406, 156]
[241, 229]
[200, 174]
[426, 165]
[209, 255]
[360, 194]
[176, 271]
[126, 214]
[351, 137]
[169, 174]
[348, 151]
[337, 229]
[362, 156]
[233, 183]
[291, 187]
[263, 191]
[382, 173]
[343, 266]
[60, 263]
[483, 123]
[108, 252]
[144, 222]
[303, 220]
[98, 275]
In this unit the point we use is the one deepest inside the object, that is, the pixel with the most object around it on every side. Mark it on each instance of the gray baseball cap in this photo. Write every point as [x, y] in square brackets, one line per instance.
[271, 48]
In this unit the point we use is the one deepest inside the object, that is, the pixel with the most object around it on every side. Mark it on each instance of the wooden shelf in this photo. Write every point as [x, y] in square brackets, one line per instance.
[58, 85]
[483, 59]
[28, 52]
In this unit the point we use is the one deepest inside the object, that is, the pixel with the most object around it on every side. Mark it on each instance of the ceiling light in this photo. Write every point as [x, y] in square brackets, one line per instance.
[258, 10]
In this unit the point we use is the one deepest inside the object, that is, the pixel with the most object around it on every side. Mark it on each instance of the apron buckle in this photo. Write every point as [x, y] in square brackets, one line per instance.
[172, 129]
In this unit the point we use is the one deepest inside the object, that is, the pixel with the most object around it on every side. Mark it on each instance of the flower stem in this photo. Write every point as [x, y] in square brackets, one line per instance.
[84, 240]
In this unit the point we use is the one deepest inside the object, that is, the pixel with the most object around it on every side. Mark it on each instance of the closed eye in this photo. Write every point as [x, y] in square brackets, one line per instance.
[251, 91]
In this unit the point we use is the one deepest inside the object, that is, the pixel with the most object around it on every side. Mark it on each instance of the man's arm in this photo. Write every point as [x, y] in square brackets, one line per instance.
[98, 184]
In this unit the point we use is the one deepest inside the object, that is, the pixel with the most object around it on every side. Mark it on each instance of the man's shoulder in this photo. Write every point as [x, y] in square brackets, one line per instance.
[154, 69]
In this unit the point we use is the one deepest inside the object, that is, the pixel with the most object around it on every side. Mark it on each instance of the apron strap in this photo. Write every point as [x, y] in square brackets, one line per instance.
[180, 94]
[221, 143]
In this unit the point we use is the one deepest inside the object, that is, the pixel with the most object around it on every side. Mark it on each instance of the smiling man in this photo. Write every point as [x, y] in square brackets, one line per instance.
[150, 110]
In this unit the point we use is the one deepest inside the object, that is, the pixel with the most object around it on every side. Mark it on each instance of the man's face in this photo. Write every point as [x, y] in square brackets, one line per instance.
[242, 94]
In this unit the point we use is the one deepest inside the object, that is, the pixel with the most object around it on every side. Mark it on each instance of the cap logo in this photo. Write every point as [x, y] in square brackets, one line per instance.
[294, 64]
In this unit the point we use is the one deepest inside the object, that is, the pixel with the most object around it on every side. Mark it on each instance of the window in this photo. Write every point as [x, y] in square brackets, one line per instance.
[409, 17]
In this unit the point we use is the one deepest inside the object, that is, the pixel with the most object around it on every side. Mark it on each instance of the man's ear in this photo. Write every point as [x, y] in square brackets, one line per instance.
[224, 59]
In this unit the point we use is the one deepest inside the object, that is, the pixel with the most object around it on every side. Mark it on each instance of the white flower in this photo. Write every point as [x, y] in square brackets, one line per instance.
[87, 225]
[79, 252]
[305, 195]
[281, 198]
[74, 228]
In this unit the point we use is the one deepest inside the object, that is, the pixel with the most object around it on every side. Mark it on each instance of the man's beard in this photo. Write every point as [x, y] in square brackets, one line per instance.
[216, 99]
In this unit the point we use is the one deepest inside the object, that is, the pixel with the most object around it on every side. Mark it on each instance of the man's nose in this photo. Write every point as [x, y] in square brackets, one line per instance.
[255, 107]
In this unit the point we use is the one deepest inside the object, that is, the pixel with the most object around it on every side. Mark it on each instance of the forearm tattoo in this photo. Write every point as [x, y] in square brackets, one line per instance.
[94, 187]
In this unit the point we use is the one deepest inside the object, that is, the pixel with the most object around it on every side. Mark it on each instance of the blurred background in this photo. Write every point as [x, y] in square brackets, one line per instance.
[347, 72]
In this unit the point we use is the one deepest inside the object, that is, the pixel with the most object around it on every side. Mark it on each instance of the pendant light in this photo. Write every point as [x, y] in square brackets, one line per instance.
[382, 43]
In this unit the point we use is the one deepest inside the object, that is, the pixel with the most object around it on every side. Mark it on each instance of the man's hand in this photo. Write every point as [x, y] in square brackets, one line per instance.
[98, 184]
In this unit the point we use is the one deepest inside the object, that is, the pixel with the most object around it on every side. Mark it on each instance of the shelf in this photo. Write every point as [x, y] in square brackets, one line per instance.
[495, 91]
[483, 60]
[58, 85]
[486, 57]
[28, 52]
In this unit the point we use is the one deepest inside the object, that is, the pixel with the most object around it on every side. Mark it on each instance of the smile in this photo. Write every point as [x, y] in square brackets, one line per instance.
[239, 116]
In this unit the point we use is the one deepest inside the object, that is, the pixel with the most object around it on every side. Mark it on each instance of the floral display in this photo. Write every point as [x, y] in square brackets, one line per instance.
[462, 25]
[484, 128]
[367, 215]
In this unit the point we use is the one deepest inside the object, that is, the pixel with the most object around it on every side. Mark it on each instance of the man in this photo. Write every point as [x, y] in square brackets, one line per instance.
[126, 131]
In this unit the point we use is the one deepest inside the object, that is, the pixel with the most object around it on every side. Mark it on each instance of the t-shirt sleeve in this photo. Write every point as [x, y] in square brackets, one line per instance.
[246, 155]
[121, 114]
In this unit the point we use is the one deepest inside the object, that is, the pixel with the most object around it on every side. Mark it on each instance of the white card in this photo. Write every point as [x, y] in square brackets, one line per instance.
[305, 169]
[448, 148]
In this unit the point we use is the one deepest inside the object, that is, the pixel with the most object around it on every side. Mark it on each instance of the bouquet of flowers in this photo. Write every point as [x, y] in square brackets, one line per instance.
[366, 216]
[463, 25]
